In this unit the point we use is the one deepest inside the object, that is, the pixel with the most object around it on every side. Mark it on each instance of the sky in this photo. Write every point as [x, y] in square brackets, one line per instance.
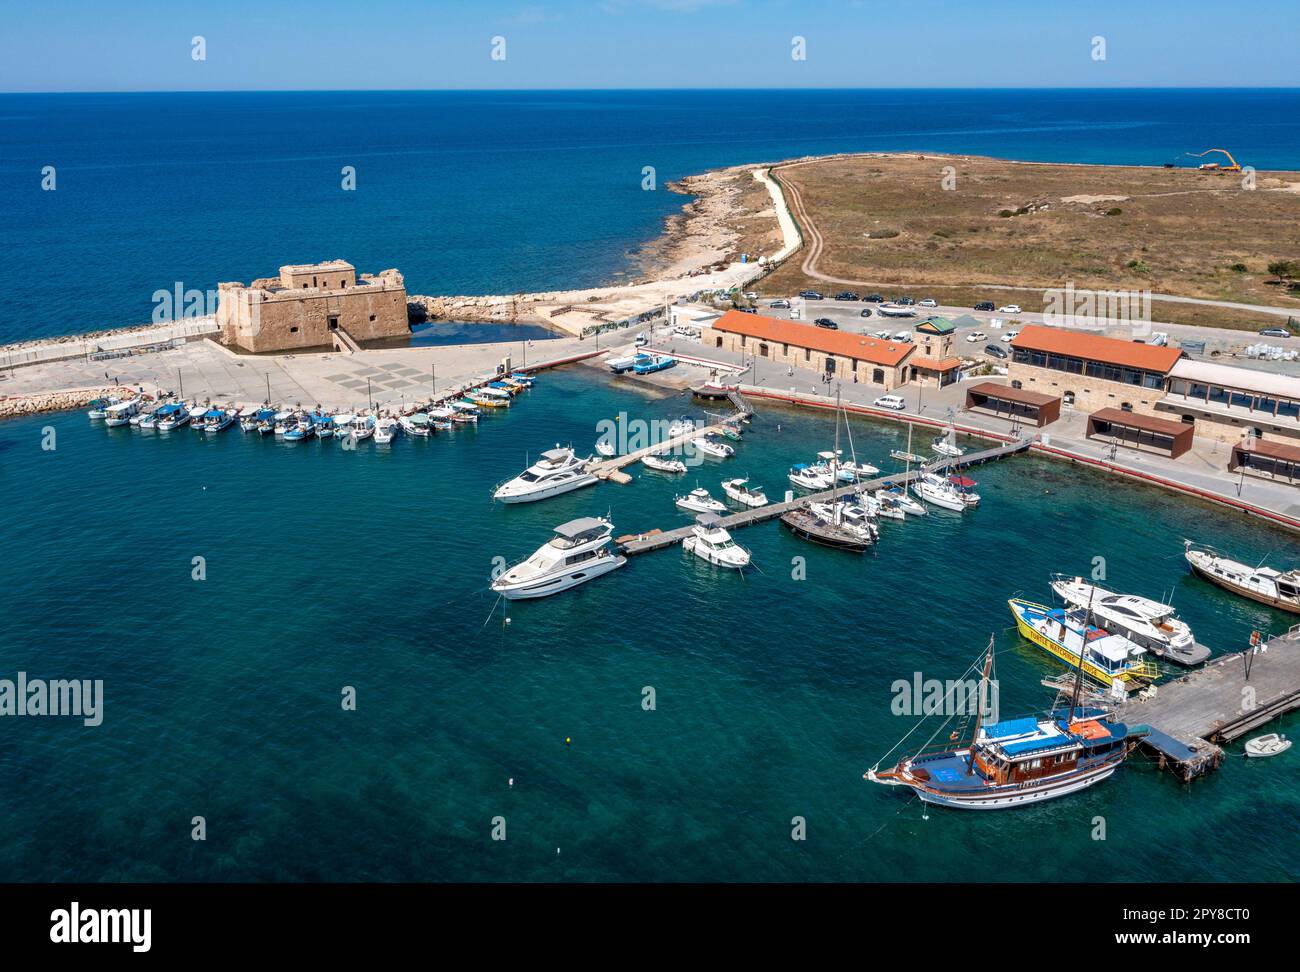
[150, 45]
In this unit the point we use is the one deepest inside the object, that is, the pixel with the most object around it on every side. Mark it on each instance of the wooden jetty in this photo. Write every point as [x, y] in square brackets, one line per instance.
[1228, 697]
[658, 539]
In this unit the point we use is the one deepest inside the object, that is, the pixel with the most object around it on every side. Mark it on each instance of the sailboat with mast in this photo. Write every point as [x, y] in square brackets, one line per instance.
[1013, 762]
[907, 455]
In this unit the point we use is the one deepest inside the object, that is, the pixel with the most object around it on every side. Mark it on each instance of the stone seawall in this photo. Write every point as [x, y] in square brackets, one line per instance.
[58, 401]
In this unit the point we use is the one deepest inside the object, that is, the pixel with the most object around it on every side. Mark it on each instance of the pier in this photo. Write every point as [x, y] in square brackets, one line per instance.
[659, 539]
[1218, 703]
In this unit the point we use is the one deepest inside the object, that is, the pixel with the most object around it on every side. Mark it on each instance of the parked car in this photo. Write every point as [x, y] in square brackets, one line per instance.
[929, 302]
[904, 301]
[1010, 336]
[641, 340]
[826, 322]
[974, 337]
[865, 312]
[984, 305]
[894, 402]
[810, 295]
[874, 299]
[883, 335]
[904, 337]
[781, 303]
[996, 350]
[846, 295]
[1010, 309]
[1281, 332]
[751, 295]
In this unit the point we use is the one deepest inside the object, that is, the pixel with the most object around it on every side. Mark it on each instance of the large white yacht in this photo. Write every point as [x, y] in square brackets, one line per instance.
[578, 552]
[1279, 589]
[557, 471]
[1149, 623]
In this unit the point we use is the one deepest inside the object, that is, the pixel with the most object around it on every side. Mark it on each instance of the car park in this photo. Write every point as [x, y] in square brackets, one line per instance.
[1281, 332]
[827, 323]
[1010, 309]
[1010, 336]
[975, 337]
[929, 302]
[893, 402]
[996, 350]
[984, 305]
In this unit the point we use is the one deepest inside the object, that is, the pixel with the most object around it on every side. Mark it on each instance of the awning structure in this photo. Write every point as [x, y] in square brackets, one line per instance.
[1020, 404]
[1267, 459]
[1141, 431]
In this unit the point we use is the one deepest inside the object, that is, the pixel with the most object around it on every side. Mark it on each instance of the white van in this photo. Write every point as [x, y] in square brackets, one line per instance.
[894, 402]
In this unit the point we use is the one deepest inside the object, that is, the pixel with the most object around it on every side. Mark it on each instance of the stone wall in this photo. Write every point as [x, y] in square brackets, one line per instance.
[57, 401]
[1090, 394]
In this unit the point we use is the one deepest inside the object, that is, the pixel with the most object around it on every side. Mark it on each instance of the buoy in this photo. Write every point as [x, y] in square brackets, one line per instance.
[511, 781]
[568, 741]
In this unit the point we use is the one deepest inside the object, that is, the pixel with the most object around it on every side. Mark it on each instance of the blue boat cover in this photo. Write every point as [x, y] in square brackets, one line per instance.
[1032, 745]
[1012, 727]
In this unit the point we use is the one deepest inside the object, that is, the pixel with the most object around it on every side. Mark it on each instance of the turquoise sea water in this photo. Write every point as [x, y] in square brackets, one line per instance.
[369, 569]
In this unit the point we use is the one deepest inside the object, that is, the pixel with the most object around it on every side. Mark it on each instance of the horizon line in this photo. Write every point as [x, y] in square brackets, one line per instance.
[512, 90]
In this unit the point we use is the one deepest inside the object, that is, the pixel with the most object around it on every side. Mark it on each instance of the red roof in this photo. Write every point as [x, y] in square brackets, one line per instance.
[1094, 347]
[841, 343]
[936, 364]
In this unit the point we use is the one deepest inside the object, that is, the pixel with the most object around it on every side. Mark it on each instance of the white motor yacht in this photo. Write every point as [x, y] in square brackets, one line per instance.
[943, 493]
[698, 500]
[710, 541]
[1149, 623]
[816, 476]
[557, 471]
[741, 492]
[709, 447]
[1279, 589]
[663, 463]
[578, 552]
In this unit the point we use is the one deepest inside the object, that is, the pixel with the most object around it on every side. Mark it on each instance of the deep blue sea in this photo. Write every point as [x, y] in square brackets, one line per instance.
[483, 192]
[328, 569]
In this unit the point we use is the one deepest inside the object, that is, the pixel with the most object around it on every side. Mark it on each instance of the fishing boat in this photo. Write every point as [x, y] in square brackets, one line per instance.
[622, 363]
[663, 463]
[739, 491]
[441, 419]
[905, 503]
[1278, 589]
[483, 399]
[361, 427]
[1269, 744]
[578, 552]
[141, 414]
[556, 471]
[121, 412]
[171, 416]
[248, 419]
[284, 421]
[464, 411]
[1069, 634]
[1016, 761]
[698, 500]
[852, 472]
[813, 477]
[710, 541]
[99, 406]
[266, 421]
[1148, 623]
[605, 448]
[508, 388]
[218, 419]
[300, 429]
[386, 430]
[652, 363]
[730, 430]
[149, 417]
[416, 424]
[942, 492]
[493, 391]
[709, 447]
[324, 426]
[342, 425]
[524, 378]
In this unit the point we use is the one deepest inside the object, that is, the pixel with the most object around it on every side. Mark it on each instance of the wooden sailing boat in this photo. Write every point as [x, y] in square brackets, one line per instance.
[831, 530]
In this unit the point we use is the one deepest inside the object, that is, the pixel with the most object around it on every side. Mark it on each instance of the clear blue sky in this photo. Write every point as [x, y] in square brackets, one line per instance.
[96, 45]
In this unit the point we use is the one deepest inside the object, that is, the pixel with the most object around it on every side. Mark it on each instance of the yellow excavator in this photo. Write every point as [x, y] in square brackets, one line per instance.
[1214, 166]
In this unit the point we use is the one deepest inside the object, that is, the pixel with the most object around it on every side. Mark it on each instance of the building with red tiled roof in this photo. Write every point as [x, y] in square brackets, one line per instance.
[842, 354]
[1089, 371]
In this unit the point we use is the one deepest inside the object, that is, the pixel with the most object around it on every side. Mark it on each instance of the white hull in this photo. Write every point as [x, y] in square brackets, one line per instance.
[706, 553]
[546, 492]
[1047, 791]
[545, 586]
[940, 498]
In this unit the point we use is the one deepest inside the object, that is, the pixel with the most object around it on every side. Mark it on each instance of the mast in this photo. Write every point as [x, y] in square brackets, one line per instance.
[979, 707]
[1083, 643]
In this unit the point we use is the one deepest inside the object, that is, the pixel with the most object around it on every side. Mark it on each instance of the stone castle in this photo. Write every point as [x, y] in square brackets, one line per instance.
[312, 305]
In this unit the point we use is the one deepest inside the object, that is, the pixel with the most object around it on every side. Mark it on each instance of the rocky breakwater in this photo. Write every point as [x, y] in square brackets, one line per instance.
[491, 309]
[57, 401]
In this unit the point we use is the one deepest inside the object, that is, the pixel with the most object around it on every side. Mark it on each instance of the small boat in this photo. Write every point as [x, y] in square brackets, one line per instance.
[416, 424]
[149, 418]
[605, 448]
[683, 426]
[830, 525]
[713, 390]
[386, 430]
[218, 419]
[905, 503]
[710, 447]
[486, 400]
[710, 541]
[508, 388]
[698, 500]
[284, 421]
[442, 419]
[1278, 589]
[324, 427]
[1068, 634]
[362, 427]
[342, 425]
[888, 507]
[652, 363]
[739, 491]
[143, 412]
[909, 457]
[266, 421]
[623, 363]
[1269, 744]
[299, 430]
[556, 471]
[121, 412]
[1016, 761]
[946, 445]
[524, 378]
[577, 553]
[663, 464]
[730, 430]
[943, 493]
[852, 471]
[814, 477]
[99, 406]
[1150, 624]
[171, 416]
[248, 419]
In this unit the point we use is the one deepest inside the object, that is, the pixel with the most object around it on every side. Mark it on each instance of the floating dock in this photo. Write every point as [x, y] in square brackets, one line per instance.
[1222, 701]
[659, 539]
